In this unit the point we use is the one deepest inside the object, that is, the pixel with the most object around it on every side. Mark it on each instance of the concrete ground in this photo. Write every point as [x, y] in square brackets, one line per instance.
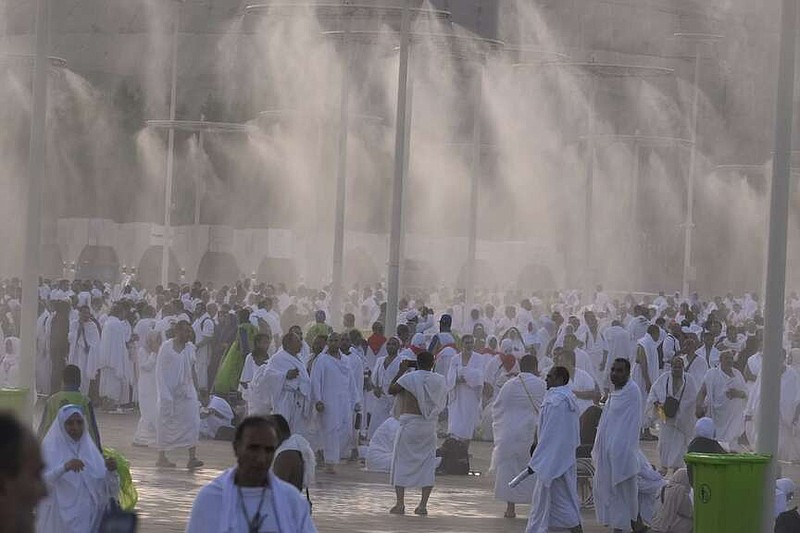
[352, 501]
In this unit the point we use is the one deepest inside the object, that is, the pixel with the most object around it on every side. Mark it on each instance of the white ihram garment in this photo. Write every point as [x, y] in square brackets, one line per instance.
[148, 398]
[178, 408]
[676, 433]
[464, 399]
[116, 367]
[554, 503]
[515, 415]
[615, 457]
[332, 384]
[727, 413]
[288, 397]
[414, 457]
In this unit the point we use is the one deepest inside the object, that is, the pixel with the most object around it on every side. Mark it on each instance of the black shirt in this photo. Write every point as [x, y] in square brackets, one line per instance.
[788, 522]
[704, 445]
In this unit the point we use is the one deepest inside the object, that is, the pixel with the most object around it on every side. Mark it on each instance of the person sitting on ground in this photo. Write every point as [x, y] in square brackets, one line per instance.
[79, 480]
[704, 440]
[294, 460]
[381, 446]
[21, 483]
[216, 420]
[70, 395]
[249, 496]
[788, 521]
[676, 512]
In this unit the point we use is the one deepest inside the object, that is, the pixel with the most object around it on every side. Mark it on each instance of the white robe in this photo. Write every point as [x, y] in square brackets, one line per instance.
[217, 508]
[203, 336]
[382, 377]
[618, 340]
[288, 397]
[84, 343]
[43, 363]
[711, 357]
[788, 448]
[515, 419]
[615, 458]
[676, 433]
[116, 367]
[220, 415]
[727, 413]
[649, 485]
[148, 403]
[637, 328]
[414, 456]
[464, 399]
[594, 345]
[650, 348]
[178, 408]
[582, 381]
[554, 502]
[381, 446]
[76, 500]
[332, 384]
[697, 369]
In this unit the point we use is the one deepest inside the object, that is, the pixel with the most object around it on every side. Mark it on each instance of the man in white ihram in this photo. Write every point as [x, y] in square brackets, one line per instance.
[555, 493]
[646, 371]
[249, 497]
[386, 369]
[203, 340]
[421, 396]
[116, 366]
[333, 391]
[515, 420]
[615, 452]
[465, 385]
[723, 398]
[286, 380]
[178, 416]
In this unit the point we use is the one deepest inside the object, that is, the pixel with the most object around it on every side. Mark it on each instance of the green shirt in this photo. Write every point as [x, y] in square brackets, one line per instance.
[59, 400]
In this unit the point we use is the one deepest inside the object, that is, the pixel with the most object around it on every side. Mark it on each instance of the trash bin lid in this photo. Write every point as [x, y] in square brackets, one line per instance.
[726, 459]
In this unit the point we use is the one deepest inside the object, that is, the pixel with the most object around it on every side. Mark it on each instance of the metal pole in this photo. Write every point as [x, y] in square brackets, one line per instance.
[767, 442]
[33, 229]
[406, 162]
[591, 153]
[473, 193]
[395, 236]
[199, 176]
[690, 179]
[634, 215]
[170, 150]
[341, 188]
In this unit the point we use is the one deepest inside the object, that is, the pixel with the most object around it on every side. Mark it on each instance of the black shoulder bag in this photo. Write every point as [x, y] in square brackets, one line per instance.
[671, 404]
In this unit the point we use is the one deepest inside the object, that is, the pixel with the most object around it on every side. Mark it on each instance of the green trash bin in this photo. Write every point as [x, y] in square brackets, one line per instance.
[727, 491]
[15, 400]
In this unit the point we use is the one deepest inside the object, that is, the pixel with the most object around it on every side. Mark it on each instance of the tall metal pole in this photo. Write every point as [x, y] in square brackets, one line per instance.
[767, 442]
[199, 178]
[473, 193]
[395, 235]
[341, 187]
[634, 214]
[591, 154]
[170, 149]
[690, 179]
[33, 229]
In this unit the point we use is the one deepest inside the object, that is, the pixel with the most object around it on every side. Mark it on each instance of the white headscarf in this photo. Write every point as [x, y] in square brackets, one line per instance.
[418, 341]
[705, 428]
[77, 494]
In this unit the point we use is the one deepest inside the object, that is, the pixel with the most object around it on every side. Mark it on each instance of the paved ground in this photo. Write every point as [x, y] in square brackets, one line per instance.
[353, 500]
